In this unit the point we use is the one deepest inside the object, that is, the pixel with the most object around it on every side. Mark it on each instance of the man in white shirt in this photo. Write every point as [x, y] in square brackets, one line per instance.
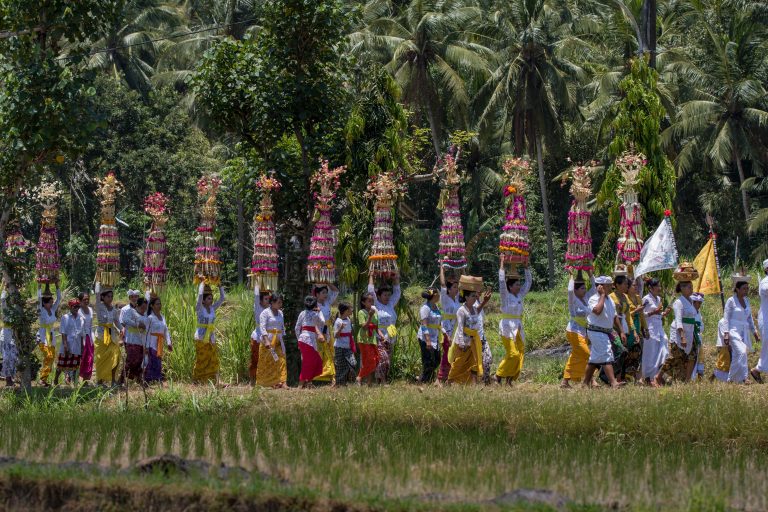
[601, 321]
[762, 325]
[71, 343]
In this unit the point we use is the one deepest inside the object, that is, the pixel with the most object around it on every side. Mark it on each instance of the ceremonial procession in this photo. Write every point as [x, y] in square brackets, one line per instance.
[384, 255]
[622, 328]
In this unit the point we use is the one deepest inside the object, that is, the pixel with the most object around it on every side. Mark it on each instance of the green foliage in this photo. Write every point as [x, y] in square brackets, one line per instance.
[637, 127]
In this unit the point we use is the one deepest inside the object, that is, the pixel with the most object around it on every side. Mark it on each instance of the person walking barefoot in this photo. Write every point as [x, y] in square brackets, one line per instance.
[512, 292]
[576, 331]
[601, 321]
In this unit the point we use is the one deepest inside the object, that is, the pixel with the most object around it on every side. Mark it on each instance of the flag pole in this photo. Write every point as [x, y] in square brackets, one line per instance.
[713, 236]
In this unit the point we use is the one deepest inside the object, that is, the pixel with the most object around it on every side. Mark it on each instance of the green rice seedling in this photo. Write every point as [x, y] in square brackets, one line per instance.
[248, 436]
[215, 435]
[184, 435]
[152, 432]
[232, 442]
[117, 443]
[137, 441]
[167, 431]
[200, 435]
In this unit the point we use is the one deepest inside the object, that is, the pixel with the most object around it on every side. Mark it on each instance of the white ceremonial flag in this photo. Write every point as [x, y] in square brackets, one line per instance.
[659, 251]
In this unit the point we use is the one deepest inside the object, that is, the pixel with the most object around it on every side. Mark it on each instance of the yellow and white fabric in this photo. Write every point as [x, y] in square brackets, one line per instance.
[434, 326]
[106, 345]
[449, 305]
[386, 312]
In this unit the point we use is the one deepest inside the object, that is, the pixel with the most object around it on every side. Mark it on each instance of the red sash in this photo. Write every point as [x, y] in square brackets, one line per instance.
[352, 345]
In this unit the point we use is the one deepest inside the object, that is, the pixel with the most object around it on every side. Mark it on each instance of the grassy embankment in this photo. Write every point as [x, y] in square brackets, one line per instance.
[695, 447]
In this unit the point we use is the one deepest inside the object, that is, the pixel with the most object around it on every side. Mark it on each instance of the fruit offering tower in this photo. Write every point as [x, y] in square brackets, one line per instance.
[452, 251]
[578, 255]
[321, 268]
[156, 248]
[264, 262]
[630, 241]
[514, 243]
[207, 259]
[47, 262]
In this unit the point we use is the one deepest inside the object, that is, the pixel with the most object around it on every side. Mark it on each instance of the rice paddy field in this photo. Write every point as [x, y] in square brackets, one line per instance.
[400, 447]
[533, 446]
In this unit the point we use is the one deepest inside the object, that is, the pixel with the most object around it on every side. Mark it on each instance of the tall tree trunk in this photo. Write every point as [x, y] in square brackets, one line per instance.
[742, 178]
[545, 210]
[230, 29]
[648, 28]
[240, 240]
[433, 128]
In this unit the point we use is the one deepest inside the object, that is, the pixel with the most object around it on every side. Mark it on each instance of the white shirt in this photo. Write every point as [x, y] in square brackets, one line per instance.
[6, 334]
[578, 308]
[738, 320]
[206, 316]
[86, 321]
[605, 319]
[46, 318]
[386, 312]
[762, 315]
[720, 331]
[450, 307]
[325, 307]
[342, 326]
[271, 321]
[309, 319]
[257, 309]
[71, 328]
[512, 305]
[433, 317]
[655, 323]
[156, 326]
[466, 318]
[109, 317]
[130, 319]
[682, 308]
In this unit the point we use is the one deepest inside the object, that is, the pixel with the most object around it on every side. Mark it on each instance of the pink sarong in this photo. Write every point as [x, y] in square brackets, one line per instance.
[86, 360]
[445, 366]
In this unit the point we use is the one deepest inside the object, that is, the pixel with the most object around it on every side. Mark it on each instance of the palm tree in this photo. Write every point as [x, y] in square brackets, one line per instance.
[425, 48]
[206, 22]
[720, 124]
[534, 83]
[129, 50]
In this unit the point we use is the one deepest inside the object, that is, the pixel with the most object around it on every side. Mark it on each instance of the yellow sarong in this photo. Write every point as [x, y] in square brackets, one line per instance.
[326, 354]
[466, 362]
[512, 364]
[576, 365]
[723, 359]
[271, 373]
[106, 355]
[206, 362]
[49, 352]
